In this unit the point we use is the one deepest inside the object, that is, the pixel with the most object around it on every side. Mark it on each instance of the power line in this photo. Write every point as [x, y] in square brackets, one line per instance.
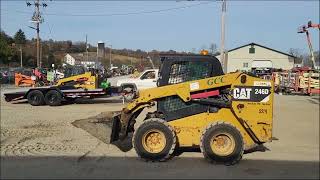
[48, 24]
[123, 14]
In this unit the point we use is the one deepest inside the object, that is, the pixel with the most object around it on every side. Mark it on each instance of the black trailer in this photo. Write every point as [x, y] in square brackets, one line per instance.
[55, 95]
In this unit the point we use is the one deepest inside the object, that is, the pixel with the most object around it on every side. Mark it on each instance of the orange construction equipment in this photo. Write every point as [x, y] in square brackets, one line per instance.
[23, 80]
[297, 80]
[304, 29]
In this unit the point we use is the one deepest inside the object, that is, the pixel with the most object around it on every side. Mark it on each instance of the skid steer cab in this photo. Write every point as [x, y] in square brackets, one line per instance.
[197, 105]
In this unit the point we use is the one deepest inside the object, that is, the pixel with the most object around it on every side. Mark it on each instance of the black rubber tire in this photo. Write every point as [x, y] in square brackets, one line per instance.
[53, 98]
[220, 128]
[166, 129]
[35, 98]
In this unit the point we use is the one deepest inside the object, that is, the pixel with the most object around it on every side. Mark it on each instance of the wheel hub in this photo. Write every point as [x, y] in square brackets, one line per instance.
[52, 98]
[35, 98]
[223, 144]
[154, 141]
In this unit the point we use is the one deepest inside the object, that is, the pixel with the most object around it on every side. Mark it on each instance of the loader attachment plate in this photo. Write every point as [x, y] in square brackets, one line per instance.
[105, 127]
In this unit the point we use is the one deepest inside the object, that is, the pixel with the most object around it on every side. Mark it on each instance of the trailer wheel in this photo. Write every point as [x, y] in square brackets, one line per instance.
[53, 98]
[35, 98]
[222, 143]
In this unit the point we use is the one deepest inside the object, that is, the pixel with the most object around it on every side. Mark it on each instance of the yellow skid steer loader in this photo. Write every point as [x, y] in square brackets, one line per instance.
[197, 105]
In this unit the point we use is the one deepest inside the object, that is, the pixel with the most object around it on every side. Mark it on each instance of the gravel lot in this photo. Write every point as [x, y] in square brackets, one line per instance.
[40, 142]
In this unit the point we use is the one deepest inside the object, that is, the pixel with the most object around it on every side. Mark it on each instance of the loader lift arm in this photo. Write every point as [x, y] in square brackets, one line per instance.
[187, 91]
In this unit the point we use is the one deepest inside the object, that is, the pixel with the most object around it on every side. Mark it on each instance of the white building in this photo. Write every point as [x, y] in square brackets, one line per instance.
[88, 63]
[255, 56]
[79, 59]
[69, 59]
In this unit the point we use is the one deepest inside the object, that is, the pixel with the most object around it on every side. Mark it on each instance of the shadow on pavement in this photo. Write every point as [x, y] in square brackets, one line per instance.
[132, 167]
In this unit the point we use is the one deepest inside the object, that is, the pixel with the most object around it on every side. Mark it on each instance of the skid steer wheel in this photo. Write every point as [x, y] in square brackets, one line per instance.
[35, 98]
[222, 143]
[154, 140]
[53, 98]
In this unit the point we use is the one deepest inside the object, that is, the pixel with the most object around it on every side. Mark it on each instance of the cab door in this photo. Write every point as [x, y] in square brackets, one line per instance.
[147, 80]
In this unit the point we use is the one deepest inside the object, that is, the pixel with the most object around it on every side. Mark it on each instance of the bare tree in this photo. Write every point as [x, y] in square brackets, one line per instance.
[203, 47]
[212, 48]
[298, 54]
[193, 50]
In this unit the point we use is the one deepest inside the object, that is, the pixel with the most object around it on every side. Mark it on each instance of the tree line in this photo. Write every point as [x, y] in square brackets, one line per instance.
[52, 52]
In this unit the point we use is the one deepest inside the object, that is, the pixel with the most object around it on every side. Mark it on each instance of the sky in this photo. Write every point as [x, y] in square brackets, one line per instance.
[165, 25]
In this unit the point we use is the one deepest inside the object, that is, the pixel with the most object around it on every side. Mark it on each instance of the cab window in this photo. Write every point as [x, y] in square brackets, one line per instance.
[148, 75]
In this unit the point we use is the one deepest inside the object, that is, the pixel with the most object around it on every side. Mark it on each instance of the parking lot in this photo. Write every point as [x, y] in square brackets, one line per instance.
[40, 142]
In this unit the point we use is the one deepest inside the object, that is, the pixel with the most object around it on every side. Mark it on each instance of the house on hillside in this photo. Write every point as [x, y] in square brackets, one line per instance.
[68, 59]
[255, 56]
[80, 59]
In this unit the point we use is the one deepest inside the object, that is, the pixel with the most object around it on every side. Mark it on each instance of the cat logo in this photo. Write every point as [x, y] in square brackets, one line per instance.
[242, 93]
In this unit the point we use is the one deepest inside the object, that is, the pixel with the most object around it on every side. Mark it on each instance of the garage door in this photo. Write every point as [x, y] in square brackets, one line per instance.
[261, 64]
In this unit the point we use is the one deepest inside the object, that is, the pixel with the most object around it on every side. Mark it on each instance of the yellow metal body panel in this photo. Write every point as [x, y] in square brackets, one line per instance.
[190, 129]
[89, 83]
[257, 115]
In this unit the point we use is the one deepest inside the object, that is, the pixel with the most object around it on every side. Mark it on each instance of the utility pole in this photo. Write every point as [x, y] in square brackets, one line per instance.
[21, 56]
[37, 19]
[129, 57]
[110, 55]
[222, 49]
[87, 47]
[38, 33]
[40, 55]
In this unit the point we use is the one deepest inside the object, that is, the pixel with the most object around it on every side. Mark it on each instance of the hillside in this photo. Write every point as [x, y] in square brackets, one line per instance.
[116, 59]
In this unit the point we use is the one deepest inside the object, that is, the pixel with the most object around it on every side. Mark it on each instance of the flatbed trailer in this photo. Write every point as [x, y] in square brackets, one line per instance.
[55, 95]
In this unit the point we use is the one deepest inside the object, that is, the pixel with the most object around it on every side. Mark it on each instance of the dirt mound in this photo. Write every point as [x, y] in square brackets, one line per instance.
[100, 126]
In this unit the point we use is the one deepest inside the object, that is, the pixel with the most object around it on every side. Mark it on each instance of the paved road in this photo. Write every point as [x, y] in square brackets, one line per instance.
[40, 142]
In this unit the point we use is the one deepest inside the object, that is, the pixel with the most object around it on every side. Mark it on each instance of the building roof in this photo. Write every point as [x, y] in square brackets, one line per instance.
[255, 44]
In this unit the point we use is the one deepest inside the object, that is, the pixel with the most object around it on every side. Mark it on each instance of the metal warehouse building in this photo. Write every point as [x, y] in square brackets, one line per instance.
[255, 56]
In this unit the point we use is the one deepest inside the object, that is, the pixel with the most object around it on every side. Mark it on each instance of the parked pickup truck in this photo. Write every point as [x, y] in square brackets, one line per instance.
[147, 79]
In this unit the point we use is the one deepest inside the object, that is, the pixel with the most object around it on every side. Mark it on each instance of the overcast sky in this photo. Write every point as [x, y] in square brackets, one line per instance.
[164, 25]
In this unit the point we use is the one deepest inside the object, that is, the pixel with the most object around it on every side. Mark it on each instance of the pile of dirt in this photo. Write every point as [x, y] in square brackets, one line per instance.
[100, 126]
